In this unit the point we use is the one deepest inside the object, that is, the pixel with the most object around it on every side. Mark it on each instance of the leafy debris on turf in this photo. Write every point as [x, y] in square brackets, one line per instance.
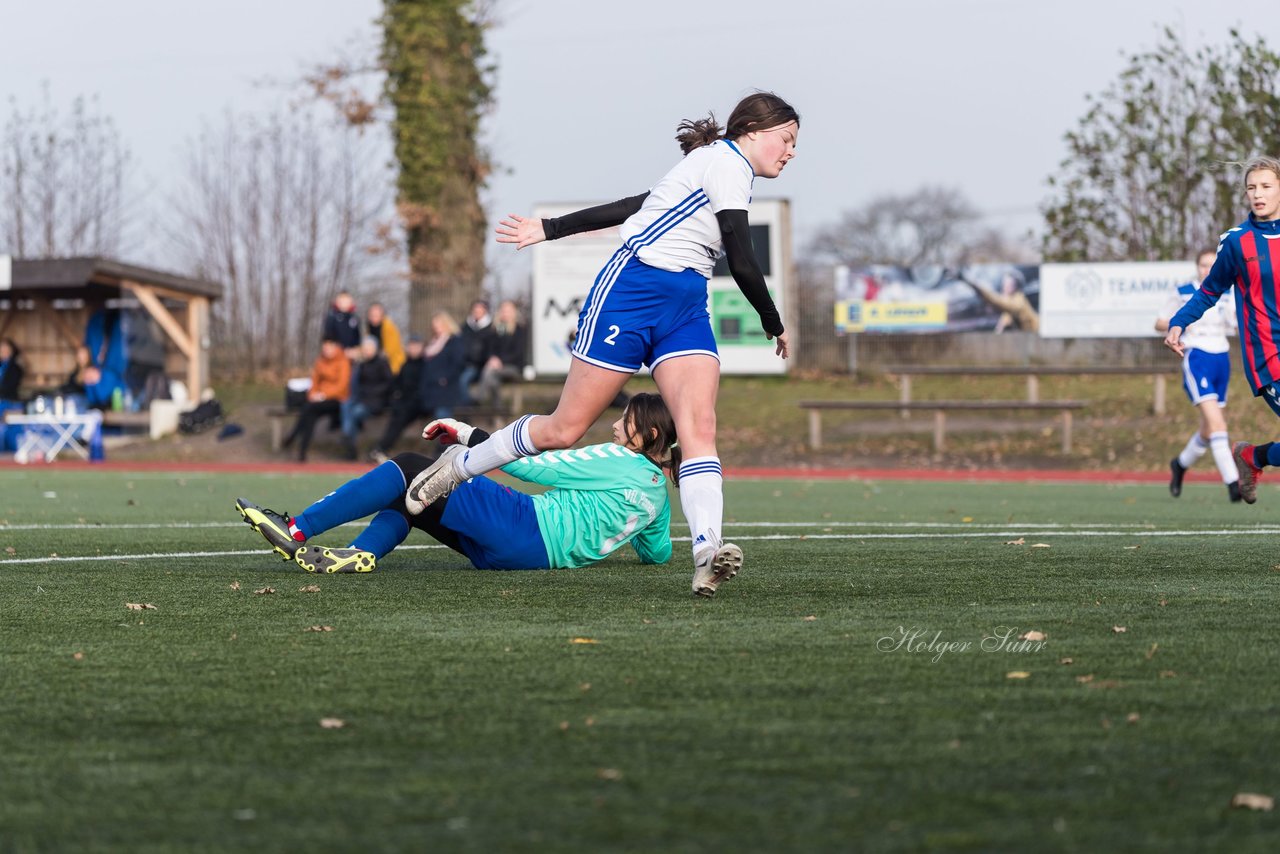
[332, 723]
[140, 606]
[265, 591]
[1253, 801]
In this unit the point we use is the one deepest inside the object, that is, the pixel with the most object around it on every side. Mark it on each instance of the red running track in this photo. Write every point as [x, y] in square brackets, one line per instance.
[349, 469]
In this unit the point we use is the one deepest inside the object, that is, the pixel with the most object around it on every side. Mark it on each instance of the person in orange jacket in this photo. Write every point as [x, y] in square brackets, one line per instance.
[330, 386]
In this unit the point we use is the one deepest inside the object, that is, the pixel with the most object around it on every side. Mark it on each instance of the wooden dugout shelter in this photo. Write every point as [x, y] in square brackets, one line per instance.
[45, 306]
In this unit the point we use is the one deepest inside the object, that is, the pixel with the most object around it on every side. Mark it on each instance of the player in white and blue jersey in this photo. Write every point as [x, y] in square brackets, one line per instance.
[648, 306]
[1206, 372]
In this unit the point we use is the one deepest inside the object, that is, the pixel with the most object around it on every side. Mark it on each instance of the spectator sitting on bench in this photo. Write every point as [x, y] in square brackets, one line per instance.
[477, 344]
[97, 385]
[370, 387]
[406, 399]
[439, 385]
[507, 354]
[330, 386]
[11, 371]
[386, 333]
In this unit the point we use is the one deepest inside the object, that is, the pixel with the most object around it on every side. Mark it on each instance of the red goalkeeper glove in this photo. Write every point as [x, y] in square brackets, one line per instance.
[449, 431]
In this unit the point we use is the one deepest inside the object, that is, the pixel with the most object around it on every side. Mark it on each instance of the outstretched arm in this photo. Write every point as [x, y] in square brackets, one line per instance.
[526, 231]
[735, 231]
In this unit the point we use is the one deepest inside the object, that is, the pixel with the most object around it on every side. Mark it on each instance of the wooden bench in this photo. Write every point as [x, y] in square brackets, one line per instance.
[940, 408]
[1032, 373]
[282, 419]
[139, 420]
[518, 393]
[515, 396]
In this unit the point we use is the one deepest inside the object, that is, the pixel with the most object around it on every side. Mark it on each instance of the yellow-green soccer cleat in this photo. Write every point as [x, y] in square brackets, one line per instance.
[273, 526]
[717, 568]
[328, 561]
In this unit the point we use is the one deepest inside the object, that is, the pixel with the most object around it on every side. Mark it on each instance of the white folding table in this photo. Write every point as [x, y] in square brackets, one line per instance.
[47, 434]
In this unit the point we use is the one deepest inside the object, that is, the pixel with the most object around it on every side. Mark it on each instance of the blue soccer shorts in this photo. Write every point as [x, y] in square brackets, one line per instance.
[496, 525]
[1271, 394]
[1205, 376]
[638, 315]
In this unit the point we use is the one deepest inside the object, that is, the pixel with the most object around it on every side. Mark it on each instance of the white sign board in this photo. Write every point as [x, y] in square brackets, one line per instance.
[564, 270]
[6, 272]
[1120, 300]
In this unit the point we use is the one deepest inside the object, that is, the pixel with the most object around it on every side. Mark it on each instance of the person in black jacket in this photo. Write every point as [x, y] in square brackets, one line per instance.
[342, 324]
[477, 338]
[11, 370]
[370, 390]
[507, 357]
[438, 388]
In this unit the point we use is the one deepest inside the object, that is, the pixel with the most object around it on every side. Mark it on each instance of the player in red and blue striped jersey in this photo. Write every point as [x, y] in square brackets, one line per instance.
[1248, 260]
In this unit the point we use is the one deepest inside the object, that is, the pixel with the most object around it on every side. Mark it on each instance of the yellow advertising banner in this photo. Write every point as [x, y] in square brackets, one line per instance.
[877, 316]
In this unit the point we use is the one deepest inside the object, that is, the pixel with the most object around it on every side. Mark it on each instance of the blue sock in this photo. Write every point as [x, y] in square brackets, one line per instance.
[373, 491]
[1267, 454]
[387, 530]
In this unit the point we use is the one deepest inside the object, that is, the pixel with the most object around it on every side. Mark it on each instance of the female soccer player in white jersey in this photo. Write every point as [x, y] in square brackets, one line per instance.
[601, 498]
[1206, 373]
[649, 306]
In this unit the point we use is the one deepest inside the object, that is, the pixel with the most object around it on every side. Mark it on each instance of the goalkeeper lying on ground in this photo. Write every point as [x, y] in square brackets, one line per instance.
[602, 497]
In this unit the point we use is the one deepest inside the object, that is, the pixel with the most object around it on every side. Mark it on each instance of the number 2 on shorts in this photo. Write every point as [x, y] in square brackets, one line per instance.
[611, 338]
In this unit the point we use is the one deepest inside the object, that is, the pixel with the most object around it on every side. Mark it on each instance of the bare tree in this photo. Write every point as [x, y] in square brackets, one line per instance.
[65, 182]
[930, 226]
[285, 212]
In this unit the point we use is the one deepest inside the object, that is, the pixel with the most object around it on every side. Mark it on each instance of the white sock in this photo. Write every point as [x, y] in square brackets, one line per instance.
[702, 499]
[1194, 450]
[1222, 456]
[505, 446]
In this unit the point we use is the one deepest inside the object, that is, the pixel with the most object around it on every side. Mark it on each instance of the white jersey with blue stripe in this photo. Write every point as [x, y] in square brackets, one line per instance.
[676, 227]
[1209, 333]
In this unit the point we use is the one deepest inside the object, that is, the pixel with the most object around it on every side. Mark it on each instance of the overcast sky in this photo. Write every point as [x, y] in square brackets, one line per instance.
[894, 96]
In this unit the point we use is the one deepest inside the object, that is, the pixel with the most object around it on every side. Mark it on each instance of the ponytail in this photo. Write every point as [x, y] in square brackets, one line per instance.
[695, 133]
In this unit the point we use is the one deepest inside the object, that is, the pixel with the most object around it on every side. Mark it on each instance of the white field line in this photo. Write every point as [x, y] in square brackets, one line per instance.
[1062, 526]
[1012, 532]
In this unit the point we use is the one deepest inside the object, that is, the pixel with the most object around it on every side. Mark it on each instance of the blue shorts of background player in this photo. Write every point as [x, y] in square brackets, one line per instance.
[1205, 376]
[638, 315]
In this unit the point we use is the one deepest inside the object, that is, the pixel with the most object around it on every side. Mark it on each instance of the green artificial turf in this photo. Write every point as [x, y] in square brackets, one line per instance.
[781, 715]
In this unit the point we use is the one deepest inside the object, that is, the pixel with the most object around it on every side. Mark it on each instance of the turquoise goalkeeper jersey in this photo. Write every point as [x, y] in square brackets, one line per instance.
[603, 496]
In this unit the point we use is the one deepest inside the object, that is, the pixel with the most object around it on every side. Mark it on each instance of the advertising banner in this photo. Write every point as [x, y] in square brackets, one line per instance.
[1120, 300]
[924, 299]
